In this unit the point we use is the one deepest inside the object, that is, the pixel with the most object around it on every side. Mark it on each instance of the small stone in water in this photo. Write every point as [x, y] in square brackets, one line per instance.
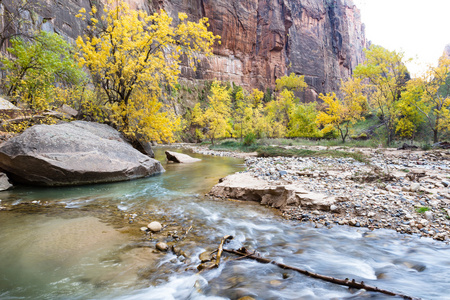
[154, 226]
[144, 229]
[275, 283]
[162, 246]
[205, 256]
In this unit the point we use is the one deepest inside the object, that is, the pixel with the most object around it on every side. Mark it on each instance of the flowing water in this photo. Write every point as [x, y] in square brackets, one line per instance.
[85, 243]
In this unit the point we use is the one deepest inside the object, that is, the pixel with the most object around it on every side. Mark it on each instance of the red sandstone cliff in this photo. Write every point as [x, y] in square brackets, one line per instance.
[261, 39]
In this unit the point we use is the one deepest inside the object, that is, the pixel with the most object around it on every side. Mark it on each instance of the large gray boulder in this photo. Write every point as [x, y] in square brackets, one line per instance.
[73, 154]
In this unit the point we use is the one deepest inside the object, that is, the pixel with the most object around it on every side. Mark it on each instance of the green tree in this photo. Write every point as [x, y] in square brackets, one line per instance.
[36, 66]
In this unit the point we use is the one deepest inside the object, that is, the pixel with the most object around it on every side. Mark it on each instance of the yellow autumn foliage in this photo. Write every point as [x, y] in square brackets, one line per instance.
[132, 56]
[215, 115]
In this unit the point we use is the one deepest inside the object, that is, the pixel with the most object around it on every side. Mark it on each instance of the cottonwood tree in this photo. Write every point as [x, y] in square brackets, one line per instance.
[303, 121]
[342, 114]
[215, 116]
[246, 113]
[428, 98]
[128, 51]
[279, 111]
[385, 74]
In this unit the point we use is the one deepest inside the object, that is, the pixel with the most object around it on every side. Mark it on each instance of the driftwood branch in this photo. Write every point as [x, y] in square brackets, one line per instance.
[346, 282]
[207, 265]
[220, 249]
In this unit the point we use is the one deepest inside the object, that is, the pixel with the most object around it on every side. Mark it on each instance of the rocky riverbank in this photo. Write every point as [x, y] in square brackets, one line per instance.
[407, 191]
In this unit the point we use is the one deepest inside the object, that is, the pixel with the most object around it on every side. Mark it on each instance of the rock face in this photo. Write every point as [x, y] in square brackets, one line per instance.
[262, 40]
[243, 186]
[73, 154]
[180, 158]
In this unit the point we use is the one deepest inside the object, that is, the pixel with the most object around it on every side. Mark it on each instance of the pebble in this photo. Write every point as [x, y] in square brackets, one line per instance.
[154, 226]
[161, 246]
[144, 229]
[414, 187]
[334, 208]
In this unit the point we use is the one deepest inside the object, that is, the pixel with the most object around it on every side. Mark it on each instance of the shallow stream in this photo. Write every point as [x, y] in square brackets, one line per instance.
[85, 243]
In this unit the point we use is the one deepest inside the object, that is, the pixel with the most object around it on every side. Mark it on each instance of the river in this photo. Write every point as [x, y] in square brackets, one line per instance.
[85, 243]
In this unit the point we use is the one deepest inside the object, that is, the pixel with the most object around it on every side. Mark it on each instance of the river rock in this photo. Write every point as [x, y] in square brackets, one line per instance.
[334, 208]
[4, 182]
[429, 215]
[205, 256]
[414, 187]
[206, 266]
[73, 154]
[180, 158]
[161, 246]
[154, 226]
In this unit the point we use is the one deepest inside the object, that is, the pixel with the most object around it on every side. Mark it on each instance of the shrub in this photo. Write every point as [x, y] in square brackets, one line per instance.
[249, 139]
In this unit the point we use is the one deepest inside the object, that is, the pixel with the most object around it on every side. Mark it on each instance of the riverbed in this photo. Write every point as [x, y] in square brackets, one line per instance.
[86, 243]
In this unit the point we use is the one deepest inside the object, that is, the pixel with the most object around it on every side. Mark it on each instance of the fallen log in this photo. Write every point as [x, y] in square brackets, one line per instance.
[345, 282]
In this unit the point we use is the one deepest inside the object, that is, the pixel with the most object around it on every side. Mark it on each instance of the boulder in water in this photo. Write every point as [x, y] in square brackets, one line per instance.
[73, 154]
[180, 157]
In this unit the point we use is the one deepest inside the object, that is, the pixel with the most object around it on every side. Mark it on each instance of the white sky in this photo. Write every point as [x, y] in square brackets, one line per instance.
[419, 28]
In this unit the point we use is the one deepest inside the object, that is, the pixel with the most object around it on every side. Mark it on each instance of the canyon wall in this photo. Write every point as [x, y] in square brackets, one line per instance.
[262, 40]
